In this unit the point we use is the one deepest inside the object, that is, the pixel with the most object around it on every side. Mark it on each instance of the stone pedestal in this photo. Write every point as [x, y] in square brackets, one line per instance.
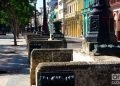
[93, 48]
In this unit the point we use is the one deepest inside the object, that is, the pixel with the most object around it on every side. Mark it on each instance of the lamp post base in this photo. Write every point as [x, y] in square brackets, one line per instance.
[96, 48]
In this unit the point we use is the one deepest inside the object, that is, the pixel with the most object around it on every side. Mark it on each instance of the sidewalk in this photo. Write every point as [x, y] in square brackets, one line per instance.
[14, 68]
[8, 40]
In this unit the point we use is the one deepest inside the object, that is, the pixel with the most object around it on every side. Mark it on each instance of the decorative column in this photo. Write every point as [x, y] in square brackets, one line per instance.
[45, 30]
[101, 27]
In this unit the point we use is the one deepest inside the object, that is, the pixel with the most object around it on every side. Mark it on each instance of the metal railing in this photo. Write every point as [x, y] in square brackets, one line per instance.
[73, 14]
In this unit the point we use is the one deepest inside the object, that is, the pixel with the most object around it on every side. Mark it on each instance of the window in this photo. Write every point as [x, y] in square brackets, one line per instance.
[70, 9]
[60, 2]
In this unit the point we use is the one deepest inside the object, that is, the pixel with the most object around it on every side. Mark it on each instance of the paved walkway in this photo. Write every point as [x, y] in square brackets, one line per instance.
[14, 69]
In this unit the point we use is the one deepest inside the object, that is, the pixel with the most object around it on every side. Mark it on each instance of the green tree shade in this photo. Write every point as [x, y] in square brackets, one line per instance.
[15, 13]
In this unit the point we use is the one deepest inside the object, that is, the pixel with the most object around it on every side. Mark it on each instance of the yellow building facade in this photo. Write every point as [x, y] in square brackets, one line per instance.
[73, 18]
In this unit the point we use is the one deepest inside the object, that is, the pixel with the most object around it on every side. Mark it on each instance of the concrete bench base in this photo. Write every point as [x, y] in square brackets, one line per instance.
[45, 44]
[48, 55]
[84, 74]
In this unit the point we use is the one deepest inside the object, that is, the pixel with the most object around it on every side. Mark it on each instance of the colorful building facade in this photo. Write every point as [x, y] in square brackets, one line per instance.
[61, 13]
[115, 5]
[73, 18]
[85, 15]
[52, 5]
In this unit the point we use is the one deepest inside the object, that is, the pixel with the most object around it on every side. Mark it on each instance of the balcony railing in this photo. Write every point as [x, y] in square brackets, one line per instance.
[74, 14]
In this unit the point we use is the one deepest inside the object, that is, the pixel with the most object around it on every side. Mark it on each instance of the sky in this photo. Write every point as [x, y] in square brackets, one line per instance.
[39, 4]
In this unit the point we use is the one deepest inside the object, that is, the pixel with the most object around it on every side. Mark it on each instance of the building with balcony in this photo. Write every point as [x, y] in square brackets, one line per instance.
[73, 18]
[61, 13]
[52, 15]
[115, 5]
[31, 26]
[85, 15]
[52, 5]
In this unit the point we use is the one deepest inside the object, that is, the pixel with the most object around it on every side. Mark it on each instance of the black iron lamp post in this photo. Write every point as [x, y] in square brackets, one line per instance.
[45, 30]
[35, 18]
[101, 37]
[101, 23]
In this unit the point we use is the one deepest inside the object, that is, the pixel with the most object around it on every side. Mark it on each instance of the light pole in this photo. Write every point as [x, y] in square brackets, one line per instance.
[45, 30]
[35, 18]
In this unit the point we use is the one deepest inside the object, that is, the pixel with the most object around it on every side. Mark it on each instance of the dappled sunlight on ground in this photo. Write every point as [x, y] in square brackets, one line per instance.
[14, 67]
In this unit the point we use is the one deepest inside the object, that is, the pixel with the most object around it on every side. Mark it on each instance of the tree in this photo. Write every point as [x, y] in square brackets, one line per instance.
[15, 13]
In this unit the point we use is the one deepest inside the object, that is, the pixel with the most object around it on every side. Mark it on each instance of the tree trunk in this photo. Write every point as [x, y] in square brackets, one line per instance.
[14, 33]
[14, 26]
[17, 30]
[13, 22]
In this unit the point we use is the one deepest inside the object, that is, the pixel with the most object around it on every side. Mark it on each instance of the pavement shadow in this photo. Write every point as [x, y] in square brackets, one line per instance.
[15, 64]
[13, 60]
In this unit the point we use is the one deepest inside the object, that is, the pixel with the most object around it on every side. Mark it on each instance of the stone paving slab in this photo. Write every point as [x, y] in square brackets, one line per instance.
[14, 80]
[13, 62]
[11, 42]
[20, 79]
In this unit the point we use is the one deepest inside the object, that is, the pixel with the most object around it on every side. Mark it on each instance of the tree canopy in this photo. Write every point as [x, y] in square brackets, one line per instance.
[21, 10]
[15, 13]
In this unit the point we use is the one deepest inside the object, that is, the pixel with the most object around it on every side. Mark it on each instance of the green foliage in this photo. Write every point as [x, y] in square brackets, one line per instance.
[3, 20]
[21, 10]
[15, 13]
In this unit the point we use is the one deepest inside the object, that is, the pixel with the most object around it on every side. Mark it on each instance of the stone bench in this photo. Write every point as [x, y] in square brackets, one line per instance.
[78, 74]
[32, 36]
[48, 55]
[45, 44]
[35, 39]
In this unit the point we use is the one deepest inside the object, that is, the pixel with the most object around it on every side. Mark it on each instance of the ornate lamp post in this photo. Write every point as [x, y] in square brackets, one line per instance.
[101, 35]
[45, 30]
[101, 28]
[35, 18]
